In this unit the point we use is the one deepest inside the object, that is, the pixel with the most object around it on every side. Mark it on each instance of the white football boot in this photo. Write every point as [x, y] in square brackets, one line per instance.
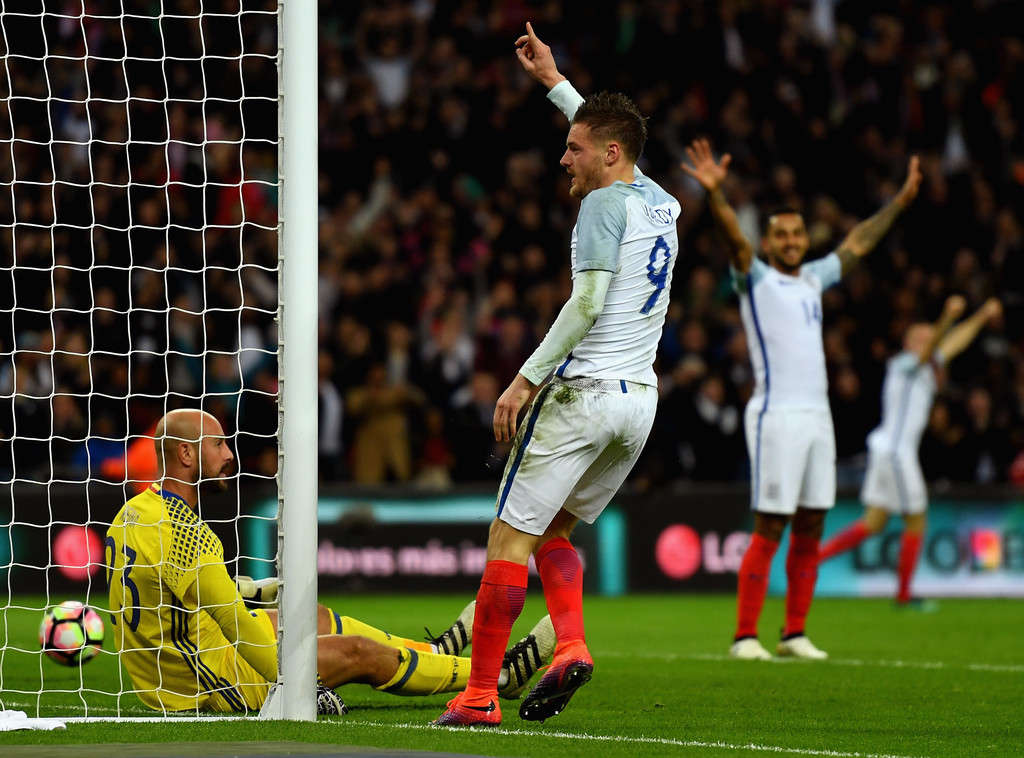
[749, 649]
[799, 647]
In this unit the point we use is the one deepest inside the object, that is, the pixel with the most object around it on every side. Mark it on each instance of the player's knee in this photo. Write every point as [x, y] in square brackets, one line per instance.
[769, 526]
[875, 520]
[914, 522]
[349, 653]
[809, 521]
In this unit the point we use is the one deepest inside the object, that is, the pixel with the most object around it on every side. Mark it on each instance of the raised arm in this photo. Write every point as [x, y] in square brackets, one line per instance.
[536, 58]
[538, 62]
[711, 175]
[863, 238]
[951, 311]
[963, 334]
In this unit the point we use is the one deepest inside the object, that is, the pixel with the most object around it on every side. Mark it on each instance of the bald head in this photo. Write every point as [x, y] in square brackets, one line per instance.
[184, 425]
[191, 449]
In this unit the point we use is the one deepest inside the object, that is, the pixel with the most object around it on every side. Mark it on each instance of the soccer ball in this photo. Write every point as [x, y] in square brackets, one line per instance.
[71, 633]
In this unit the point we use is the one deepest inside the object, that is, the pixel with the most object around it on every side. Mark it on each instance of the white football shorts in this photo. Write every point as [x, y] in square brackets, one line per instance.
[894, 482]
[792, 459]
[573, 450]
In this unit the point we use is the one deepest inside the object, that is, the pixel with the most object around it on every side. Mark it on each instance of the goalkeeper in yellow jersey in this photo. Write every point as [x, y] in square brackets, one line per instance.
[186, 636]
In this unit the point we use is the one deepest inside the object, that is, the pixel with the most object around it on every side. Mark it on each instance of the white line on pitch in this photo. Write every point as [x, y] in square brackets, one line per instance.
[991, 667]
[752, 747]
[638, 740]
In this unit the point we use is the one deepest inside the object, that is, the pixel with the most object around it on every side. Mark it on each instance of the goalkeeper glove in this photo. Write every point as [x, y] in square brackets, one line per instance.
[257, 593]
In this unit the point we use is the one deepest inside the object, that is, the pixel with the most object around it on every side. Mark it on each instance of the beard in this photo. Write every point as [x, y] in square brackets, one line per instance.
[782, 263]
[583, 182]
[215, 483]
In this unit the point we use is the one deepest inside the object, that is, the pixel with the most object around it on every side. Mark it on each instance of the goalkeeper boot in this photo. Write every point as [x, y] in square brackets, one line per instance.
[458, 636]
[572, 668]
[526, 657]
[328, 702]
[462, 714]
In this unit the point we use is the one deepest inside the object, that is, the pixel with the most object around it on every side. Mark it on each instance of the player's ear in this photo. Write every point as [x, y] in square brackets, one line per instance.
[185, 453]
[612, 153]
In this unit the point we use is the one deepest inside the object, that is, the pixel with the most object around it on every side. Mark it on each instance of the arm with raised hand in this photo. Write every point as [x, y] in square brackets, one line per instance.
[539, 63]
[951, 311]
[537, 60]
[711, 174]
[863, 238]
[963, 334]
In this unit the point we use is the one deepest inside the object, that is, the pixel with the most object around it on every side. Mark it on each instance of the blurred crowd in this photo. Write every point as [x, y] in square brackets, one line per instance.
[445, 223]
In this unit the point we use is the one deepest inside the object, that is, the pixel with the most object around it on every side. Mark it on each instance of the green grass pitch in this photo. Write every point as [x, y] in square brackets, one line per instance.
[898, 683]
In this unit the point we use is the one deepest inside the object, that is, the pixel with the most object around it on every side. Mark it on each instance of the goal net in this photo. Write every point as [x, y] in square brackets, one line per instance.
[138, 274]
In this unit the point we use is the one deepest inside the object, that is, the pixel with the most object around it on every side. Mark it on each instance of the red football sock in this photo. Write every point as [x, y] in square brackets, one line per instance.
[562, 574]
[801, 576]
[847, 539]
[910, 549]
[753, 584]
[498, 604]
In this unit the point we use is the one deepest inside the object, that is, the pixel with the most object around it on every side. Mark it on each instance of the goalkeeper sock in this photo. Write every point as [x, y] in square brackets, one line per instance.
[562, 575]
[801, 576]
[349, 625]
[753, 584]
[423, 673]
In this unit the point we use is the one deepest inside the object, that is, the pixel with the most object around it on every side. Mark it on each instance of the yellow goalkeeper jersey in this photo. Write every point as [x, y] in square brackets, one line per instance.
[178, 619]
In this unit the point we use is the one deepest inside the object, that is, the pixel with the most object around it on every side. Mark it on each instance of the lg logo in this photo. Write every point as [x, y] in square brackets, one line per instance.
[680, 552]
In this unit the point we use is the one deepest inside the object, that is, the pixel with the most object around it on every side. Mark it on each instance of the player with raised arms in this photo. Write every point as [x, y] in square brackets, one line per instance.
[894, 482]
[788, 420]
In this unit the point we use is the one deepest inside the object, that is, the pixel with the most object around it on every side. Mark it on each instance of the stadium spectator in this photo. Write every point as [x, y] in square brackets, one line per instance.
[330, 412]
[472, 432]
[434, 460]
[833, 95]
[381, 415]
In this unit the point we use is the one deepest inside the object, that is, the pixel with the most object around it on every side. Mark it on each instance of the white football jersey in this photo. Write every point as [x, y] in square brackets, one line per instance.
[907, 395]
[630, 230]
[782, 319]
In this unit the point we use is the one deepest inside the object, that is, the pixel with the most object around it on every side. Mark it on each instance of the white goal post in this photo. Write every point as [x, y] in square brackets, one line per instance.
[297, 637]
[158, 250]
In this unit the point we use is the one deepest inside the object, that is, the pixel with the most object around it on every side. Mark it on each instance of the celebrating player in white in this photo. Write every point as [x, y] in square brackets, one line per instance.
[894, 482]
[788, 422]
[587, 426]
